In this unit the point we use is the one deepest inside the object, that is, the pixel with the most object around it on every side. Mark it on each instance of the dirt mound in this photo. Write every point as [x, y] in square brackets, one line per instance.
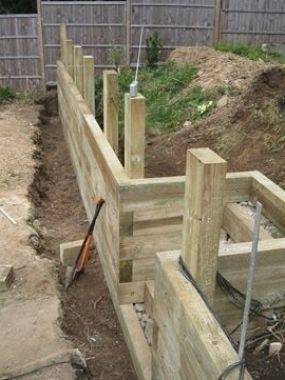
[249, 132]
[216, 68]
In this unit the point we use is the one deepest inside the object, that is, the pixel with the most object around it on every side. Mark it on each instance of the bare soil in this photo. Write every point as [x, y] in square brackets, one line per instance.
[216, 68]
[29, 333]
[88, 317]
[248, 132]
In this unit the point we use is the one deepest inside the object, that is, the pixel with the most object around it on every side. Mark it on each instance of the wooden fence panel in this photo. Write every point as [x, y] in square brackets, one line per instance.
[253, 21]
[183, 23]
[97, 27]
[19, 52]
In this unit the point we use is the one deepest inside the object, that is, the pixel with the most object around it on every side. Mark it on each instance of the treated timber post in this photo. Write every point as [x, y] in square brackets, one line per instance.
[110, 101]
[69, 57]
[78, 68]
[134, 135]
[218, 21]
[203, 215]
[62, 38]
[89, 82]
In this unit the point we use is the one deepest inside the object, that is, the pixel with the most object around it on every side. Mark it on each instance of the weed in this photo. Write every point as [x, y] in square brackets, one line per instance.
[170, 97]
[115, 56]
[252, 52]
[6, 94]
[153, 50]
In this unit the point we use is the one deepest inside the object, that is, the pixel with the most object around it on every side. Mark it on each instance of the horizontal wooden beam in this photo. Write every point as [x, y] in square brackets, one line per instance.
[272, 198]
[169, 191]
[189, 342]
[239, 224]
[137, 344]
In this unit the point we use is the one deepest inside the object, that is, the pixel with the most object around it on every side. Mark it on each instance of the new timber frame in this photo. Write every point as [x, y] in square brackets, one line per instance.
[147, 224]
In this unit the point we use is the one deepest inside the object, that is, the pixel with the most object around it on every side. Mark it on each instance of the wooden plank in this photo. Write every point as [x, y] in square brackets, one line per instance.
[78, 68]
[100, 147]
[110, 105]
[137, 194]
[145, 246]
[134, 135]
[272, 198]
[183, 318]
[96, 167]
[62, 38]
[144, 269]
[149, 297]
[138, 347]
[233, 263]
[239, 224]
[89, 82]
[203, 215]
[69, 57]
[131, 292]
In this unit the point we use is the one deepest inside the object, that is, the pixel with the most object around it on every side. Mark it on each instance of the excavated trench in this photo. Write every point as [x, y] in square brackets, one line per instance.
[88, 317]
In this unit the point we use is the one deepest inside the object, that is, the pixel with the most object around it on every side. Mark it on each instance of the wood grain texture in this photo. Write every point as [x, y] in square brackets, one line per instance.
[89, 82]
[139, 349]
[272, 198]
[239, 224]
[203, 216]
[69, 57]
[134, 135]
[97, 169]
[78, 68]
[20, 54]
[175, 355]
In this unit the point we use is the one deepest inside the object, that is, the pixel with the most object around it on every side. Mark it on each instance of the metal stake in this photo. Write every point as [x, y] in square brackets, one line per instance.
[7, 216]
[250, 280]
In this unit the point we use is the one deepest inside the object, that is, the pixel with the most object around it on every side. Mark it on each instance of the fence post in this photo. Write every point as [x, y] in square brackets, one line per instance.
[40, 41]
[69, 57]
[218, 20]
[110, 105]
[128, 31]
[203, 216]
[62, 38]
[89, 82]
[78, 67]
[134, 135]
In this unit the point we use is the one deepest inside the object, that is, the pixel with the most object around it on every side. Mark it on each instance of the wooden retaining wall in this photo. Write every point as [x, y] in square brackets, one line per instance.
[183, 214]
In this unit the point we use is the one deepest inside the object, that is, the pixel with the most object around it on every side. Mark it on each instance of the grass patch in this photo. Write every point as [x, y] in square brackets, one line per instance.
[6, 94]
[252, 52]
[169, 96]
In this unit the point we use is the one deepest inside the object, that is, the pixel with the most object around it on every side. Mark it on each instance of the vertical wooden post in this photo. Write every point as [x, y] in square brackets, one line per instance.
[69, 57]
[134, 135]
[62, 38]
[89, 82]
[110, 105]
[40, 41]
[128, 31]
[203, 215]
[78, 67]
[218, 20]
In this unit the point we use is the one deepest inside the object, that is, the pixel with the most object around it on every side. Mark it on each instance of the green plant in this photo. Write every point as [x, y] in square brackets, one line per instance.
[6, 94]
[153, 50]
[252, 52]
[170, 96]
[116, 56]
